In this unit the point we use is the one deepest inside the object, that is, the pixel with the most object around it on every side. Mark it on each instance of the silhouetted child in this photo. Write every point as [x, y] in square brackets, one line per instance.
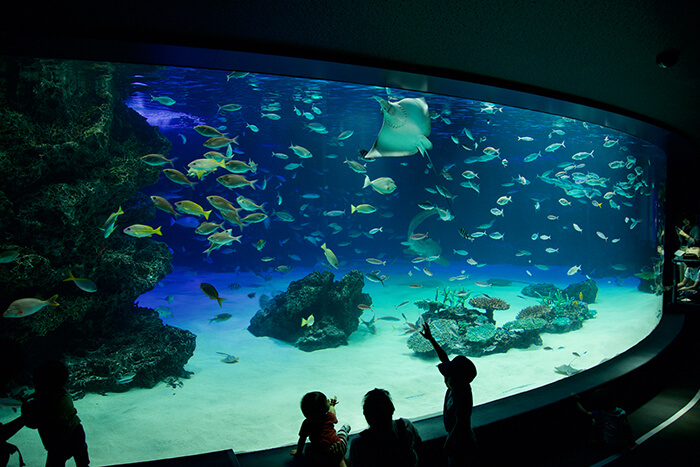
[460, 444]
[609, 422]
[327, 447]
[51, 411]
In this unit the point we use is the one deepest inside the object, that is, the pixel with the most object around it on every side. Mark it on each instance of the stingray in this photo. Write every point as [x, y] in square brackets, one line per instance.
[426, 247]
[567, 370]
[500, 282]
[405, 129]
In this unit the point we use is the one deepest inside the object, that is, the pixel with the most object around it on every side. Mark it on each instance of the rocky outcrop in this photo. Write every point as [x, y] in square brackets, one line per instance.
[463, 331]
[333, 306]
[69, 158]
[586, 291]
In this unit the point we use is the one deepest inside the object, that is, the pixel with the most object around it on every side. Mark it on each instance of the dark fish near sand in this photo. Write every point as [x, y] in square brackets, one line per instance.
[221, 318]
[211, 292]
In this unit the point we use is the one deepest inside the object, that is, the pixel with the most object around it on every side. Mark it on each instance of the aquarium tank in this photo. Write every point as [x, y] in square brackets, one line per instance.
[202, 247]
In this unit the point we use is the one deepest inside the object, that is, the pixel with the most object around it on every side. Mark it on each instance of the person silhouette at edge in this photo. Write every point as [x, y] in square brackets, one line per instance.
[51, 411]
[460, 445]
[12, 360]
[387, 442]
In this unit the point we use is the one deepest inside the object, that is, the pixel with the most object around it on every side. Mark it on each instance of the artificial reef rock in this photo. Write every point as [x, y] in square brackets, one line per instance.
[586, 291]
[333, 305]
[463, 331]
[69, 158]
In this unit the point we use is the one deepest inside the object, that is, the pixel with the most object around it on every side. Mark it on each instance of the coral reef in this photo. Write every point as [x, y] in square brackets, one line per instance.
[464, 331]
[444, 331]
[332, 304]
[469, 332]
[70, 158]
[562, 310]
[586, 291]
[526, 324]
[540, 290]
[537, 311]
[489, 305]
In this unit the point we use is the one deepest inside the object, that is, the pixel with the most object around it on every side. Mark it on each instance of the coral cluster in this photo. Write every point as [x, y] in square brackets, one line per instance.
[469, 332]
[537, 311]
[489, 305]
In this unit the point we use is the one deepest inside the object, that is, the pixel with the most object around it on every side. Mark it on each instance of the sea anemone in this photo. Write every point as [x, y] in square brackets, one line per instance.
[489, 305]
[537, 311]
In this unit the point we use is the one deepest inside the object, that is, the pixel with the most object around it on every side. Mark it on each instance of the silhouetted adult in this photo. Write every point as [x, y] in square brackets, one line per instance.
[51, 411]
[387, 442]
[460, 445]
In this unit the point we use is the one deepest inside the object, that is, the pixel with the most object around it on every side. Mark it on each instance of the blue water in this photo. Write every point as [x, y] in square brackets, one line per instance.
[608, 243]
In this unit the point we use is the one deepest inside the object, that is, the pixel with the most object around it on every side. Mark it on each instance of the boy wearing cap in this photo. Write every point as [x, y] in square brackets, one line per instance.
[460, 445]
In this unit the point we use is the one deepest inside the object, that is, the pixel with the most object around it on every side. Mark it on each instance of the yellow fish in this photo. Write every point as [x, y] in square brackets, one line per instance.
[307, 321]
[111, 222]
[362, 208]
[330, 256]
[140, 230]
[190, 207]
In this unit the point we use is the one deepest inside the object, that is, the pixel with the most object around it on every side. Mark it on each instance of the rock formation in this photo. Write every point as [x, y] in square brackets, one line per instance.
[69, 158]
[333, 306]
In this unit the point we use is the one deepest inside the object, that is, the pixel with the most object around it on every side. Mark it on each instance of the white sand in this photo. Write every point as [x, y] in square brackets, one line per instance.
[254, 404]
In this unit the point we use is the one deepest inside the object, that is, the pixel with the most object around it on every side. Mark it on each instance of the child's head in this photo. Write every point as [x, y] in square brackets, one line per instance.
[314, 405]
[458, 372]
[50, 376]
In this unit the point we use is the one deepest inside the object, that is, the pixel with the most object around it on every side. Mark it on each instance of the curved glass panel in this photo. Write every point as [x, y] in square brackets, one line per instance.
[528, 241]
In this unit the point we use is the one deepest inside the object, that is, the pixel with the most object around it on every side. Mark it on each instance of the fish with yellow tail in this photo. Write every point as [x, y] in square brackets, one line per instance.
[211, 292]
[330, 256]
[307, 322]
[140, 230]
[111, 223]
[362, 208]
[83, 284]
[27, 306]
[192, 208]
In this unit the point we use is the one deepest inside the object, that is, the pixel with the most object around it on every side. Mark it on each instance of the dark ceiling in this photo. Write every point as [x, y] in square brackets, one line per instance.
[600, 53]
